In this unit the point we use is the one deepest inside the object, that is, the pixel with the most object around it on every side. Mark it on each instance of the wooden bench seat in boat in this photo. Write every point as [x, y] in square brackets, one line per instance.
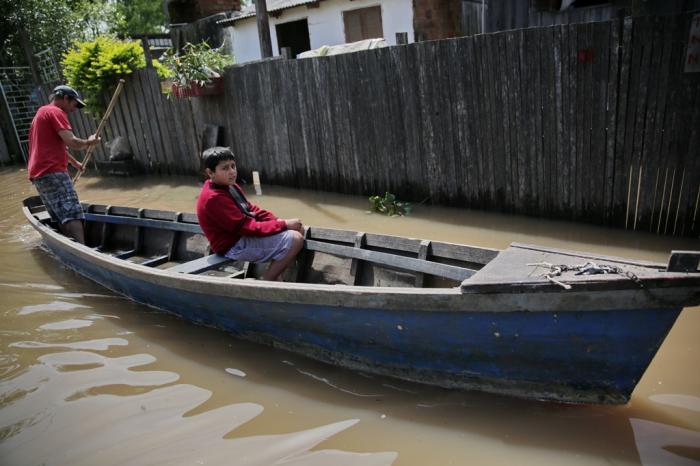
[392, 260]
[200, 265]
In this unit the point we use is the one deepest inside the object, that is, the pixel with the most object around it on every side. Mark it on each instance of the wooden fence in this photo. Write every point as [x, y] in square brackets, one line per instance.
[161, 131]
[595, 122]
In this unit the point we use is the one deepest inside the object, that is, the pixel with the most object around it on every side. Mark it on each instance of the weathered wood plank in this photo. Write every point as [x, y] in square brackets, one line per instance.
[500, 172]
[539, 87]
[200, 265]
[612, 107]
[649, 159]
[563, 152]
[522, 110]
[143, 113]
[133, 122]
[448, 137]
[400, 262]
[488, 57]
[475, 130]
[161, 126]
[655, 151]
[507, 114]
[356, 264]
[279, 124]
[143, 222]
[621, 168]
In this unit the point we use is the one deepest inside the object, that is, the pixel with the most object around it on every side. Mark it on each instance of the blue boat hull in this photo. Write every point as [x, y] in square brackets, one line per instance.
[571, 356]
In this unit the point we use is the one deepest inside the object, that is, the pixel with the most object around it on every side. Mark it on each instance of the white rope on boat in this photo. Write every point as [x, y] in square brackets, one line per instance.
[589, 268]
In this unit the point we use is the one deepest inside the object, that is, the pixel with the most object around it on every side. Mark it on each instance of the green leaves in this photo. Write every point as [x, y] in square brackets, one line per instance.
[389, 205]
[95, 67]
[56, 24]
[197, 63]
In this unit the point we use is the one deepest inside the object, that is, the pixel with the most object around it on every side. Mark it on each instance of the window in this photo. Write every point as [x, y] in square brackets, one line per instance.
[294, 35]
[365, 23]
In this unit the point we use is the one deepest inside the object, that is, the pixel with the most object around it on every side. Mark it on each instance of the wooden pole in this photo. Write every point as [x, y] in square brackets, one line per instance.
[670, 197]
[678, 205]
[636, 204]
[653, 202]
[629, 194]
[147, 52]
[88, 154]
[695, 211]
[263, 29]
[663, 200]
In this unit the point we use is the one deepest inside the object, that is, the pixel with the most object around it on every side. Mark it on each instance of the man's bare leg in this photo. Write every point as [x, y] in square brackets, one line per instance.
[74, 229]
[274, 272]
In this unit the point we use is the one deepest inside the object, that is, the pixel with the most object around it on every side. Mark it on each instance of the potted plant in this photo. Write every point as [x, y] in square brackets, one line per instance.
[196, 70]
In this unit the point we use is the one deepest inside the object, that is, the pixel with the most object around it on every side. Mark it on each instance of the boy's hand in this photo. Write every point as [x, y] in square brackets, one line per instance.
[294, 224]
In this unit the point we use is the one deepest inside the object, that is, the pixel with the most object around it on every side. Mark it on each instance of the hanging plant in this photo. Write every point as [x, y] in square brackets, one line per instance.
[197, 69]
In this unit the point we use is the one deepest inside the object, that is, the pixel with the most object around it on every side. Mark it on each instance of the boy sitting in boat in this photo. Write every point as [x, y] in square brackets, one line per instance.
[239, 229]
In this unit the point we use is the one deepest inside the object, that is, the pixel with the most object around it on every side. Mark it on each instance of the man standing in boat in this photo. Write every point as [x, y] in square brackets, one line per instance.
[239, 229]
[49, 135]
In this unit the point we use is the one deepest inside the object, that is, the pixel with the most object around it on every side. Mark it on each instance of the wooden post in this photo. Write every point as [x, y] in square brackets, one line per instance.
[287, 53]
[29, 55]
[263, 29]
[401, 38]
[147, 52]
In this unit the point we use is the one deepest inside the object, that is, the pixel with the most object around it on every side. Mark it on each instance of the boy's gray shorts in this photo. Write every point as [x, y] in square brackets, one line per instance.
[59, 197]
[261, 249]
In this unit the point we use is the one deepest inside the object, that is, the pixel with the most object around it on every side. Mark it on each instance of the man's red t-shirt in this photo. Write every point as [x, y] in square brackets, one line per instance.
[224, 223]
[47, 151]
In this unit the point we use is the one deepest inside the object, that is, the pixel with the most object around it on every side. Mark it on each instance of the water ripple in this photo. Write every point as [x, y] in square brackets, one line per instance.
[70, 324]
[50, 307]
[153, 428]
[97, 345]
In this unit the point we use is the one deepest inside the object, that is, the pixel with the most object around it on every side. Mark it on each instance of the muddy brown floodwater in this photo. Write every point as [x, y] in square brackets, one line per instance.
[87, 377]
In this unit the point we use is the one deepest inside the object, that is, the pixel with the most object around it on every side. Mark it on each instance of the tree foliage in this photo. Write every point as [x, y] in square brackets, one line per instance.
[49, 23]
[57, 24]
[95, 67]
[140, 17]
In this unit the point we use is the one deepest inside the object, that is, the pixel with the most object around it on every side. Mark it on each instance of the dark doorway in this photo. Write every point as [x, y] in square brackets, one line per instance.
[295, 35]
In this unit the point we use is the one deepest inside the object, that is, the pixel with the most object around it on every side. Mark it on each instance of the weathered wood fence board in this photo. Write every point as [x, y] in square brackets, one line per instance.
[594, 122]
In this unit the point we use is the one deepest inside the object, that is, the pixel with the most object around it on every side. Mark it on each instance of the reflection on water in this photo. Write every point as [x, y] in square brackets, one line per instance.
[66, 324]
[89, 380]
[141, 420]
[666, 445]
[52, 306]
[691, 403]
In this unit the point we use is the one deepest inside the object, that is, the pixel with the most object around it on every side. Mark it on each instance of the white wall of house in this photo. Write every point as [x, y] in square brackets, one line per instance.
[325, 25]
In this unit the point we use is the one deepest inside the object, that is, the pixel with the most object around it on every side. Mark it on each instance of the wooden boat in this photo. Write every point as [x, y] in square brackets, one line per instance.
[426, 311]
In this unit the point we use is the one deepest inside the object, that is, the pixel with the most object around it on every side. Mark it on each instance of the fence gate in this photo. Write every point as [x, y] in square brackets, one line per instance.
[22, 97]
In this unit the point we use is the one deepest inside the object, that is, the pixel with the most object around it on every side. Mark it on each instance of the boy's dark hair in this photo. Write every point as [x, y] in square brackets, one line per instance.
[215, 155]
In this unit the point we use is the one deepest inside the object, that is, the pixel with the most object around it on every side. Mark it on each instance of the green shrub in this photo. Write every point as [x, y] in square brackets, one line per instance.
[162, 70]
[94, 68]
[389, 205]
[197, 63]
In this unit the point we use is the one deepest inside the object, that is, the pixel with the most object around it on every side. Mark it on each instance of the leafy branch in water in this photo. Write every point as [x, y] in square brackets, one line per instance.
[389, 205]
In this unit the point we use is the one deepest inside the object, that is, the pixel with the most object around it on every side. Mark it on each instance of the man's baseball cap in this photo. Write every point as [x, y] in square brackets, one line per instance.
[60, 91]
